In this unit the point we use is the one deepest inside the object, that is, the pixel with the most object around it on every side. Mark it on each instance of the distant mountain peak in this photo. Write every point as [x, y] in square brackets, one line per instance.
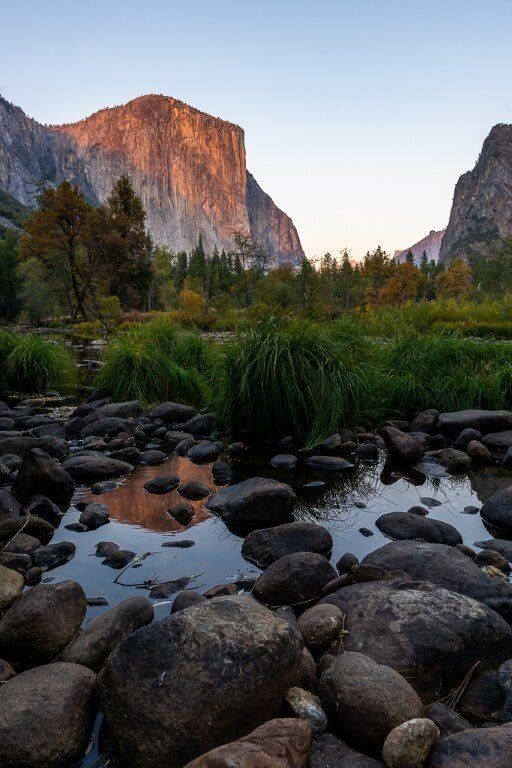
[430, 244]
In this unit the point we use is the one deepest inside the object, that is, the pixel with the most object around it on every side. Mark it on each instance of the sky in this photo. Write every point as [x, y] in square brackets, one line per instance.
[359, 115]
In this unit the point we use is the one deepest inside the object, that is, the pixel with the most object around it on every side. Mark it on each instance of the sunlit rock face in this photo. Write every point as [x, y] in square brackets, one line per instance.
[429, 245]
[482, 202]
[187, 167]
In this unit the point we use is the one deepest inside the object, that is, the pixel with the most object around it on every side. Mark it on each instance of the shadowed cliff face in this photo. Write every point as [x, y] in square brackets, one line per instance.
[482, 202]
[187, 167]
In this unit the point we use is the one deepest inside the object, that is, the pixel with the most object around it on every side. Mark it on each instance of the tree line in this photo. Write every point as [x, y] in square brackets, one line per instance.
[82, 261]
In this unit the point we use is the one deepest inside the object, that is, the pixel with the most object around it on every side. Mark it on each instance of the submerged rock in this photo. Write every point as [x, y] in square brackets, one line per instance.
[46, 716]
[160, 687]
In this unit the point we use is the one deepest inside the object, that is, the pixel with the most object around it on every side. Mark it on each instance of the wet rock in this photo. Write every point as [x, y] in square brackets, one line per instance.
[267, 545]
[284, 461]
[194, 490]
[453, 423]
[432, 636]
[162, 484]
[44, 508]
[497, 510]
[41, 623]
[179, 543]
[478, 453]
[104, 548]
[221, 472]
[21, 445]
[76, 527]
[367, 451]
[159, 688]
[328, 751]
[483, 698]
[153, 457]
[130, 455]
[320, 626]
[452, 459]
[103, 487]
[294, 579]
[94, 515]
[409, 744]
[46, 716]
[258, 501]
[221, 590]
[41, 474]
[183, 512]
[447, 721]
[410, 526]
[307, 706]
[187, 598]
[92, 469]
[105, 426]
[328, 463]
[498, 441]
[11, 587]
[283, 743]
[119, 558]
[172, 413]
[204, 451]
[101, 635]
[402, 446]
[503, 546]
[9, 505]
[53, 555]
[441, 565]
[491, 557]
[22, 544]
[174, 437]
[202, 424]
[476, 748]
[366, 700]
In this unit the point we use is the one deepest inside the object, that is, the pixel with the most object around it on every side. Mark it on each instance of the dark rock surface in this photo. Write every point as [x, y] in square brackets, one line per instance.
[412, 526]
[476, 748]
[40, 473]
[267, 545]
[294, 579]
[258, 501]
[92, 469]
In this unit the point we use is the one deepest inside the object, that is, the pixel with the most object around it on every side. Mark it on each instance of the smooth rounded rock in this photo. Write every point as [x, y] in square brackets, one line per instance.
[320, 626]
[411, 526]
[307, 706]
[11, 587]
[266, 545]
[257, 501]
[194, 490]
[162, 484]
[40, 473]
[294, 579]
[476, 748]
[93, 469]
[409, 744]
[497, 510]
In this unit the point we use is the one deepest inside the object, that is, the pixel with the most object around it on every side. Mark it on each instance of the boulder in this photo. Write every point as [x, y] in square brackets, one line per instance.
[46, 716]
[320, 626]
[402, 446]
[294, 579]
[476, 748]
[503, 546]
[194, 490]
[94, 515]
[466, 437]
[221, 473]
[447, 721]
[409, 744]
[441, 565]
[452, 424]
[284, 461]
[153, 458]
[106, 425]
[118, 558]
[21, 445]
[6, 672]
[44, 508]
[328, 751]
[426, 421]
[92, 469]
[22, 544]
[34, 526]
[478, 453]
[128, 410]
[328, 463]
[452, 459]
[11, 587]
[197, 679]
[267, 545]
[412, 526]
[101, 635]
[172, 413]
[41, 474]
[204, 451]
[366, 700]
[497, 510]
[257, 501]
[162, 484]
[53, 555]
[498, 441]
[9, 505]
[202, 424]
[185, 599]
[280, 743]
[41, 623]
[430, 635]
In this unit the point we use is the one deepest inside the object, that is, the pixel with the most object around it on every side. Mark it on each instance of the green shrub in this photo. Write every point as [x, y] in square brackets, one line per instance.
[34, 364]
[289, 377]
[155, 362]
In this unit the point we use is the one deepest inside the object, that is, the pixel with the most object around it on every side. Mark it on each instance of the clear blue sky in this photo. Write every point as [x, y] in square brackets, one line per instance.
[359, 114]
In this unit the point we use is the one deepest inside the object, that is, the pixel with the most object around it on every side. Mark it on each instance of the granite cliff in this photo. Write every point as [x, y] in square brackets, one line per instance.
[188, 168]
[431, 245]
[482, 202]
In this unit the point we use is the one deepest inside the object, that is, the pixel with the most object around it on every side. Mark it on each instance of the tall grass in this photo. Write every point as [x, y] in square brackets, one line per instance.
[156, 361]
[289, 377]
[418, 370]
[32, 364]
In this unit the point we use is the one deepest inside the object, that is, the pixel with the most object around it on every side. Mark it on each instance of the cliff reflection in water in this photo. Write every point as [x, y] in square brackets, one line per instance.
[131, 503]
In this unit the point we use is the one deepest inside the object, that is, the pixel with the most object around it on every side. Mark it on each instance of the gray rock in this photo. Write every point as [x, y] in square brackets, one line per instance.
[53, 555]
[194, 490]
[22, 544]
[257, 501]
[33, 527]
[127, 410]
[294, 579]
[41, 474]
[11, 587]
[466, 437]
[402, 446]
[476, 748]
[21, 445]
[101, 635]
[453, 423]
[202, 424]
[503, 546]
[94, 515]
[320, 626]
[285, 461]
[44, 508]
[432, 636]
[452, 459]
[426, 421]
[366, 700]
[410, 526]
[267, 545]
[160, 687]
[497, 510]
[172, 413]
[447, 720]
[221, 473]
[187, 598]
[118, 558]
[9, 505]
[328, 463]
[153, 458]
[92, 469]
[204, 451]
[46, 716]
[478, 453]
[183, 512]
[39, 625]
[409, 744]
[498, 441]
[162, 484]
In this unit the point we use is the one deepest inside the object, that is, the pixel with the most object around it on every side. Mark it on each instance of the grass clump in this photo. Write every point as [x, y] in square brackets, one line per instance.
[34, 364]
[416, 370]
[287, 376]
[155, 362]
